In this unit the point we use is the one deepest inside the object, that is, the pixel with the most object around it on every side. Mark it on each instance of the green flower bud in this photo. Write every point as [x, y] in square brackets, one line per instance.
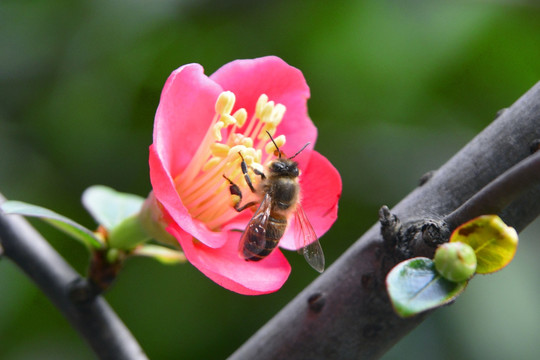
[455, 261]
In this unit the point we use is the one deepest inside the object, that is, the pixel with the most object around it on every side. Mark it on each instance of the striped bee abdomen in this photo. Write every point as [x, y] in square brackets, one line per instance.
[260, 245]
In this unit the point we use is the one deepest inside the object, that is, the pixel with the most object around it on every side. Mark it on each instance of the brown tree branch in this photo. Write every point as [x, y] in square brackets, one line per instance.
[499, 193]
[345, 313]
[90, 315]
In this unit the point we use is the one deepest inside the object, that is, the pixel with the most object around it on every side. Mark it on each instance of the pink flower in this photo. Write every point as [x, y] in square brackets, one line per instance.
[201, 124]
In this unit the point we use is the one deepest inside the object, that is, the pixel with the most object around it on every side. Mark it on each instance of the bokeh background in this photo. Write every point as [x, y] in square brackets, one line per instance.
[397, 88]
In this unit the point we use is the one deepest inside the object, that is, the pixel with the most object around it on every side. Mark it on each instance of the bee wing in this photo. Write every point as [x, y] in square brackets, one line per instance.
[306, 240]
[254, 236]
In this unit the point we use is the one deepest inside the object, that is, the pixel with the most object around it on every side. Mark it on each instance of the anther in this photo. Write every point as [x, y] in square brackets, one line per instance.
[271, 147]
[261, 102]
[227, 119]
[277, 114]
[219, 149]
[225, 103]
[267, 111]
[240, 115]
[247, 142]
[211, 163]
[267, 129]
[233, 152]
[248, 159]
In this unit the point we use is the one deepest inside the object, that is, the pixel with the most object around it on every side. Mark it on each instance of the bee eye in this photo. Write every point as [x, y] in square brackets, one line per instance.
[277, 166]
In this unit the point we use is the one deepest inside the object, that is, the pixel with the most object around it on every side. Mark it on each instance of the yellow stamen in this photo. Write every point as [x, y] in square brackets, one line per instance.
[267, 129]
[217, 130]
[240, 115]
[235, 150]
[267, 111]
[270, 147]
[225, 103]
[227, 120]
[201, 186]
[211, 163]
[219, 149]
[247, 142]
[261, 102]
[277, 115]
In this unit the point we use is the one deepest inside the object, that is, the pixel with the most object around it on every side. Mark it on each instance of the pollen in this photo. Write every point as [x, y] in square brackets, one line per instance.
[230, 138]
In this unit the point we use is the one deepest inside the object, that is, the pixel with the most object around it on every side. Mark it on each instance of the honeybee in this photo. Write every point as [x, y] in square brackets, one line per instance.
[279, 190]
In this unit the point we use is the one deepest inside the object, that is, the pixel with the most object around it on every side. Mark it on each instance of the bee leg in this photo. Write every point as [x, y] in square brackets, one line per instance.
[243, 165]
[257, 172]
[236, 195]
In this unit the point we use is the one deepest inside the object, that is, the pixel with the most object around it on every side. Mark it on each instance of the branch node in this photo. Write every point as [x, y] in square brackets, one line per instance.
[420, 238]
[426, 177]
[500, 112]
[534, 146]
[390, 226]
[316, 302]
[435, 233]
[82, 291]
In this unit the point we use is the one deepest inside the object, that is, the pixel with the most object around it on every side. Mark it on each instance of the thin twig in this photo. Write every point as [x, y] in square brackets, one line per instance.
[90, 315]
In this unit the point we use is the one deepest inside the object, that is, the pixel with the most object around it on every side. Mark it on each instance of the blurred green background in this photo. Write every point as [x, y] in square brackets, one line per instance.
[397, 88]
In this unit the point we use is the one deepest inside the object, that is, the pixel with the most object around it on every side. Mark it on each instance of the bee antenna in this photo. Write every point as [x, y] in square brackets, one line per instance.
[299, 151]
[277, 148]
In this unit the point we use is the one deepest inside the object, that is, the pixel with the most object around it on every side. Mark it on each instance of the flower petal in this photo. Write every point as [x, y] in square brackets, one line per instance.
[320, 184]
[226, 268]
[165, 192]
[284, 84]
[184, 114]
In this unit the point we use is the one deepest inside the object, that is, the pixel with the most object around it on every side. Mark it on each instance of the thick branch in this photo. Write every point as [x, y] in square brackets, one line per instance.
[353, 318]
[90, 316]
[498, 194]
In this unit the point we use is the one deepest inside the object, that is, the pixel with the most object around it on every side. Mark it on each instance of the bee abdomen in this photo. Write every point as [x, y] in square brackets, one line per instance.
[257, 248]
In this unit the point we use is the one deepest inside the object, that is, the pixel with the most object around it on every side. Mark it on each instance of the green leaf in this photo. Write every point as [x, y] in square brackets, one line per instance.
[493, 242]
[415, 286]
[70, 227]
[162, 254]
[110, 207]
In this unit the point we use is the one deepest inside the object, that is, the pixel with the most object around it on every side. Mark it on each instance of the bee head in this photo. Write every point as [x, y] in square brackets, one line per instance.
[284, 167]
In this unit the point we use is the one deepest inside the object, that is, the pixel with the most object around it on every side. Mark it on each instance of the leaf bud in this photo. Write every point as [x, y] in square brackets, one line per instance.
[455, 261]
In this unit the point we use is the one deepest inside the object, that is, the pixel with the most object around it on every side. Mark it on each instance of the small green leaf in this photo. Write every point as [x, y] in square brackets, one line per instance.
[70, 227]
[493, 242]
[162, 254]
[110, 207]
[415, 286]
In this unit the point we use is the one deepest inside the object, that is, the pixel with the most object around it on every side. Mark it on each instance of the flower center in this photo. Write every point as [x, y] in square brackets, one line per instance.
[201, 185]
